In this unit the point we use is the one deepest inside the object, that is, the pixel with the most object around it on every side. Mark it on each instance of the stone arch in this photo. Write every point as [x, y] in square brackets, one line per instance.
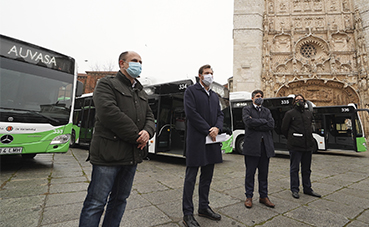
[321, 92]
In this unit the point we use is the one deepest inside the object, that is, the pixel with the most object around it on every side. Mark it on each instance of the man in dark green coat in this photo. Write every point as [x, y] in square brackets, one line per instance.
[124, 124]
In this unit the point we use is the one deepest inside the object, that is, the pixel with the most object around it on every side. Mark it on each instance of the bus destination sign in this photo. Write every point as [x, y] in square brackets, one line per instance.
[21, 51]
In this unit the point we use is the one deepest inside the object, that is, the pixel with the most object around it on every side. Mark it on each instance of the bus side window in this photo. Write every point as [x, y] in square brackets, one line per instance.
[333, 128]
[342, 127]
[317, 126]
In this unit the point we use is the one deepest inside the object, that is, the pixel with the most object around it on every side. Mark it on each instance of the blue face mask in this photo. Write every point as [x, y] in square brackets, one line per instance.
[134, 69]
[259, 101]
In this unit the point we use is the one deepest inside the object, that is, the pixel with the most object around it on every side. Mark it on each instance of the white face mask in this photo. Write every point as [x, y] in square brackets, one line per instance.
[208, 79]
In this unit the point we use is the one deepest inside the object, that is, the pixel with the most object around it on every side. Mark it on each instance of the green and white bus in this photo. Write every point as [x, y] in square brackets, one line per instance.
[339, 128]
[334, 127]
[37, 92]
[83, 120]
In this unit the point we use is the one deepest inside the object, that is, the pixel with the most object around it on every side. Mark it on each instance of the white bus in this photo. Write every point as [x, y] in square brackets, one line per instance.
[166, 102]
[334, 127]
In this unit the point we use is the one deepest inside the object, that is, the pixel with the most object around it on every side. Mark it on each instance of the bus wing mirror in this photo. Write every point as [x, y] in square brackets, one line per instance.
[367, 110]
[309, 105]
[79, 88]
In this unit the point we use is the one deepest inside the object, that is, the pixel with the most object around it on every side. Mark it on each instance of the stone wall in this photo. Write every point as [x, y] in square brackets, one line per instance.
[315, 47]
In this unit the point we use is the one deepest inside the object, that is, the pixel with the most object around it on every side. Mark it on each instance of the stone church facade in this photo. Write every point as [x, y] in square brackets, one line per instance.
[318, 48]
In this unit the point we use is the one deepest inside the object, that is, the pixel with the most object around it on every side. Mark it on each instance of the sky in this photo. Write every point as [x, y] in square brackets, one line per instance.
[174, 37]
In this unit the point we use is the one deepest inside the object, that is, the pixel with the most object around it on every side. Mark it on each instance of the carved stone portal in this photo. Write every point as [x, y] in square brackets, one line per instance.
[320, 92]
[317, 48]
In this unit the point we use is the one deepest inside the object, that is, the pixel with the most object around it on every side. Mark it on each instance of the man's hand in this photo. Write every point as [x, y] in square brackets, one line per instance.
[213, 132]
[143, 139]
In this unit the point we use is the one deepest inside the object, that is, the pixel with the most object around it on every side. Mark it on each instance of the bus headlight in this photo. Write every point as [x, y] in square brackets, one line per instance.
[61, 139]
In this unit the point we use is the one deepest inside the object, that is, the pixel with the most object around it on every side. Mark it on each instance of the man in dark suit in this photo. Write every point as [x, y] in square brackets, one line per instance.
[204, 118]
[258, 147]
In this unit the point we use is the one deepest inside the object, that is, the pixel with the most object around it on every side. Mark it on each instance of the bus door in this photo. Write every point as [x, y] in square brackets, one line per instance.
[87, 121]
[163, 124]
[340, 131]
[171, 123]
[358, 131]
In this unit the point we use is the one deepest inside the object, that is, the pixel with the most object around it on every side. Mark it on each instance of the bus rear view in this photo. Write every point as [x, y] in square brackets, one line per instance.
[37, 90]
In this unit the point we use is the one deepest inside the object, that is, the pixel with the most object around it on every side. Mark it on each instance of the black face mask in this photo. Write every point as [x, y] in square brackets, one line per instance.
[300, 104]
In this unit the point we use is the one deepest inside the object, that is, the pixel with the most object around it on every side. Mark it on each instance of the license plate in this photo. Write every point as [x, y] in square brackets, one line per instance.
[11, 150]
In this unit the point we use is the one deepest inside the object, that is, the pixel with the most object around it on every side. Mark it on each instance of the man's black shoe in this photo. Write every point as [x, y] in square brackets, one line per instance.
[312, 193]
[209, 213]
[295, 195]
[190, 221]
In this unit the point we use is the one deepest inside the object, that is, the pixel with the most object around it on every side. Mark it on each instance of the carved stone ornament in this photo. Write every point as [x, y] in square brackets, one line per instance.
[321, 92]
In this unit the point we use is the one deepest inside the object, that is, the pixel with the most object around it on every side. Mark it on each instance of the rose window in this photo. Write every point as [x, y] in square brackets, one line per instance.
[308, 51]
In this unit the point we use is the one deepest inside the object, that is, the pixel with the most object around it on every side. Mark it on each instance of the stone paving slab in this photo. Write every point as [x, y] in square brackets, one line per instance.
[62, 213]
[49, 191]
[317, 217]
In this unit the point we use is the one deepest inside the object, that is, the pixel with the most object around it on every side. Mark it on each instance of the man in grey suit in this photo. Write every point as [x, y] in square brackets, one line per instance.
[258, 147]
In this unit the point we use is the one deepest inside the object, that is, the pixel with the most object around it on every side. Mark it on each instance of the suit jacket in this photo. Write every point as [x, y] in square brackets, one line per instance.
[258, 125]
[202, 113]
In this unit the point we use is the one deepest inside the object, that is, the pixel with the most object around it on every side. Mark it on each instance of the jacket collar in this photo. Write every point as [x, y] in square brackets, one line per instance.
[199, 87]
[299, 110]
[121, 77]
[255, 107]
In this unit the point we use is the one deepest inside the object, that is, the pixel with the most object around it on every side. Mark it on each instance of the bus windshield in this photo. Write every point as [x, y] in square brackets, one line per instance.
[26, 89]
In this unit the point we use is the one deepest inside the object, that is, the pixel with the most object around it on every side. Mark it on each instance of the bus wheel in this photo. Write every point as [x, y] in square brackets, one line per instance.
[239, 144]
[315, 147]
[28, 156]
[72, 141]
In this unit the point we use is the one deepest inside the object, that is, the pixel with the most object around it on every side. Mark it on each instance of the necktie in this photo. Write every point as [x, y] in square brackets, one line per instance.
[258, 108]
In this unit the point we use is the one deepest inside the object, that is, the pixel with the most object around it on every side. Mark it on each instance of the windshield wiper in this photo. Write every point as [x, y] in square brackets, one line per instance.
[43, 115]
[33, 112]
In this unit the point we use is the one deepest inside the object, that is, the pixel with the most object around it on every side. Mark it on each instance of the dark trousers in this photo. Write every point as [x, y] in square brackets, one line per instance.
[262, 164]
[204, 187]
[297, 157]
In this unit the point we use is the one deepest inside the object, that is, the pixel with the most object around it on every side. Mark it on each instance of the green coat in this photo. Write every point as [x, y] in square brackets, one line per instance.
[121, 113]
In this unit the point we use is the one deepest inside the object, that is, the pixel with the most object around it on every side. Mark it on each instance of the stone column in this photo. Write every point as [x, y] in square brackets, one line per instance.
[247, 44]
[363, 7]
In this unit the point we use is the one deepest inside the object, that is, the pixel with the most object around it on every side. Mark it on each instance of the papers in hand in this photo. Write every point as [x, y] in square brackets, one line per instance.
[220, 138]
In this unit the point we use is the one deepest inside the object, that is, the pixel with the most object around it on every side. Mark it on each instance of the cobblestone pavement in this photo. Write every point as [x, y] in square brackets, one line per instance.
[49, 191]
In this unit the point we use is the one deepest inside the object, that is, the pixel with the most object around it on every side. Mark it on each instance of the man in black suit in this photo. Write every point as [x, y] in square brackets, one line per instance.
[258, 147]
